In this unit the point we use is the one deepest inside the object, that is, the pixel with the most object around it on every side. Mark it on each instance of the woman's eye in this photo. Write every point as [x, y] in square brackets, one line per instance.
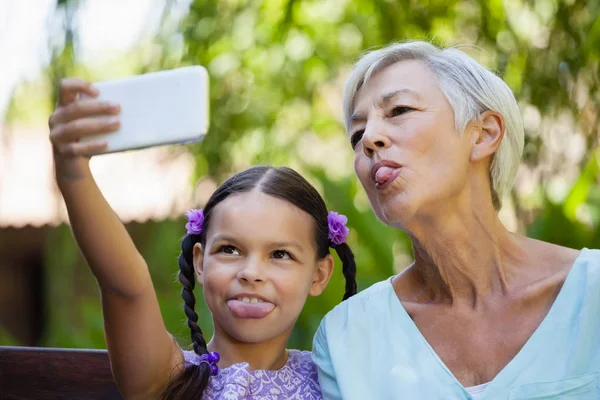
[356, 137]
[228, 249]
[399, 110]
[281, 254]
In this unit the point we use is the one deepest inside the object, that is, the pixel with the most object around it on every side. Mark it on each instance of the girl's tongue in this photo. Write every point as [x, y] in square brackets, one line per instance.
[243, 309]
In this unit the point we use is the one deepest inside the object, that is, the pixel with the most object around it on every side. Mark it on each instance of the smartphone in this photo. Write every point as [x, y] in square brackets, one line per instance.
[157, 108]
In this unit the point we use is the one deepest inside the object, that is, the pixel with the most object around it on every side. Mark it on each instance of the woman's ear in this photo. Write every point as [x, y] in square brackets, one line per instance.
[322, 275]
[487, 135]
[198, 262]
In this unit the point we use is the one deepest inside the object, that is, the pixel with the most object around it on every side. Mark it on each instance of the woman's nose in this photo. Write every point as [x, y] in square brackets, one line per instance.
[375, 138]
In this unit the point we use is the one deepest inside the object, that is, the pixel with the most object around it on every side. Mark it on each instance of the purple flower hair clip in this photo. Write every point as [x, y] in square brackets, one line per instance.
[195, 221]
[211, 359]
[338, 231]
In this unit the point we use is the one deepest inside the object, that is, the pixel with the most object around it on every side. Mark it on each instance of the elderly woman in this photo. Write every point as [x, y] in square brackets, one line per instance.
[482, 312]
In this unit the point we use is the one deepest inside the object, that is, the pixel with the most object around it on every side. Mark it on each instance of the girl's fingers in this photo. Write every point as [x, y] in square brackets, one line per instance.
[75, 119]
[81, 109]
[81, 149]
[80, 128]
[70, 88]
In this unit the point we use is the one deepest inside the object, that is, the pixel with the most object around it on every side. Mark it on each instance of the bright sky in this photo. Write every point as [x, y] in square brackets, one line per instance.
[105, 27]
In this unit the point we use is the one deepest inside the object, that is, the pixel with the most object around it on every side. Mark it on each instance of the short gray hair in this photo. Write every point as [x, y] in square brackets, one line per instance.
[470, 89]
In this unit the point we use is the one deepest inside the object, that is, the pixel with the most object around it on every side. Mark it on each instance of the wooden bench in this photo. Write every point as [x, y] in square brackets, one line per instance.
[46, 373]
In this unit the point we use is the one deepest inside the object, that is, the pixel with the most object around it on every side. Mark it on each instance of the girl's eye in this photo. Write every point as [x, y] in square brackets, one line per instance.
[229, 249]
[356, 137]
[399, 110]
[281, 254]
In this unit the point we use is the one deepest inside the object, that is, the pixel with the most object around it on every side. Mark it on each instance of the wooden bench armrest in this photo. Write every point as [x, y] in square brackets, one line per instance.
[51, 373]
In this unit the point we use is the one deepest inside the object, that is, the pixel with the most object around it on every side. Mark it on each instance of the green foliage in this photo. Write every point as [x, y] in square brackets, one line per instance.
[277, 69]
[6, 339]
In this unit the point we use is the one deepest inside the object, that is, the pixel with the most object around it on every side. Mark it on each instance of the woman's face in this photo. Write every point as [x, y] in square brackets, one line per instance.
[407, 153]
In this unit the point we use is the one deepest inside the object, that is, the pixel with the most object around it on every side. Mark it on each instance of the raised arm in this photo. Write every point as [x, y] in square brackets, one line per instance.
[142, 353]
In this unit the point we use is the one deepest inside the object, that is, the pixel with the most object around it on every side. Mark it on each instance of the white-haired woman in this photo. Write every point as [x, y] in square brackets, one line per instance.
[482, 312]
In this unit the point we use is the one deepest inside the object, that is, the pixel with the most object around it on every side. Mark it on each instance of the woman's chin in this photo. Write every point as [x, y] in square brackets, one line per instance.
[395, 211]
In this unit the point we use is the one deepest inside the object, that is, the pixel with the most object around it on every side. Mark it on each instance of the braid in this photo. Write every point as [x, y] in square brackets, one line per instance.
[348, 268]
[188, 281]
[191, 383]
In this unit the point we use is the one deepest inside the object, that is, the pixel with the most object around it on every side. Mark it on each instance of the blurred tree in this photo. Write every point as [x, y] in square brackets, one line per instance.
[277, 69]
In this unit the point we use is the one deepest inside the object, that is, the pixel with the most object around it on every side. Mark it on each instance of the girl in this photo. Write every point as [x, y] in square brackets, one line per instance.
[258, 249]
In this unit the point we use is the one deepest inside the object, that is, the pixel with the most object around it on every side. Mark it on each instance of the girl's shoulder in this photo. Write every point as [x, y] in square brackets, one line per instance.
[301, 361]
[296, 380]
[297, 360]
[299, 357]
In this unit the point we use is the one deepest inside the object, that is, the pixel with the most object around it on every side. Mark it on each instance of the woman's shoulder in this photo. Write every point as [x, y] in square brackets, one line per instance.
[590, 256]
[553, 264]
[578, 280]
[588, 264]
[364, 305]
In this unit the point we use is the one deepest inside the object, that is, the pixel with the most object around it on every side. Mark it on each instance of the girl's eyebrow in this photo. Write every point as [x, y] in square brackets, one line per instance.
[223, 237]
[288, 244]
[228, 238]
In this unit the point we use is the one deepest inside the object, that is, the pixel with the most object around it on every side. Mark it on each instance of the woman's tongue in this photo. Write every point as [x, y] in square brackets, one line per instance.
[383, 174]
[242, 309]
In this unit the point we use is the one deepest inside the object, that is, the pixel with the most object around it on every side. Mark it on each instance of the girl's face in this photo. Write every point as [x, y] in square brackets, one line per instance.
[258, 266]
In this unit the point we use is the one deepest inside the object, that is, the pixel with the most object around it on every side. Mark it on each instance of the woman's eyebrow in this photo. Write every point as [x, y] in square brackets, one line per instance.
[387, 98]
[357, 117]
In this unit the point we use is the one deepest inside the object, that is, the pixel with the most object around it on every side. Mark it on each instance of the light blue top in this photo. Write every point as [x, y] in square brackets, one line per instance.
[368, 347]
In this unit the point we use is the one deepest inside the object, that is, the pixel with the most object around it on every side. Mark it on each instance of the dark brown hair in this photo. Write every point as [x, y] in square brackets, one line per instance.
[283, 183]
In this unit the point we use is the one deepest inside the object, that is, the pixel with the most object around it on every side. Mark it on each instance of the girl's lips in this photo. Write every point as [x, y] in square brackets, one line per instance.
[242, 309]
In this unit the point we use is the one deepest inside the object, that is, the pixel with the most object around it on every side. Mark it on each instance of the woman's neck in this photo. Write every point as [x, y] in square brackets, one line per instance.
[266, 355]
[460, 256]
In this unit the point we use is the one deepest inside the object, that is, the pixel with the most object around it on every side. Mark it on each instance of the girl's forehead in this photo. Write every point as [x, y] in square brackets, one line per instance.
[260, 216]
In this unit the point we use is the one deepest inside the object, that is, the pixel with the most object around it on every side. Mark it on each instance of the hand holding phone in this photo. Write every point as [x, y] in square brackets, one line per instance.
[73, 120]
[158, 108]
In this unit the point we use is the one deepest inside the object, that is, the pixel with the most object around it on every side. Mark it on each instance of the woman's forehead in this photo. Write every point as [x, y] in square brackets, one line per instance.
[411, 79]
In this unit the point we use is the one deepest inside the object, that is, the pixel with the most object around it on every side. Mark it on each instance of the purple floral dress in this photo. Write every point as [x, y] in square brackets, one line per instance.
[296, 380]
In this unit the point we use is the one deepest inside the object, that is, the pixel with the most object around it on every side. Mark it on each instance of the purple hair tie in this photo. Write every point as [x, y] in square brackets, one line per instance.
[211, 359]
[195, 221]
[338, 231]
